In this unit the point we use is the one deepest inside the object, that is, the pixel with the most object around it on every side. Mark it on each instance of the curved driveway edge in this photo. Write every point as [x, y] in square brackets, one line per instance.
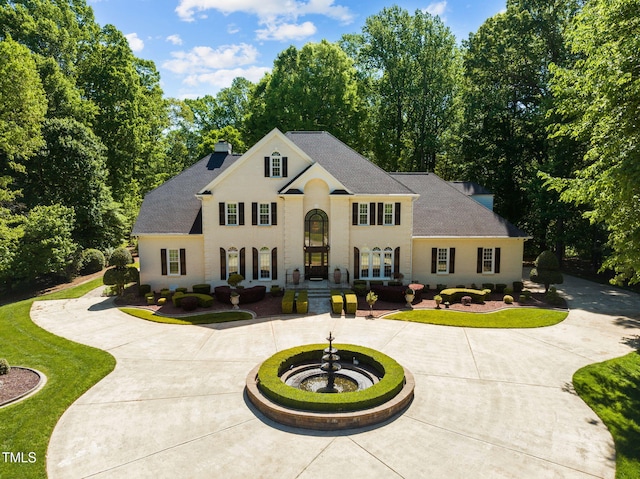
[488, 403]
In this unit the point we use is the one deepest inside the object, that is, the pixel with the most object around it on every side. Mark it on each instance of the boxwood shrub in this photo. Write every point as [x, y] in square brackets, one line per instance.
[390, 384]
[337, 302]
[302, 301]
[287, 301]
[201, 288]
[351, 302]
[203, 300]
[454, 295]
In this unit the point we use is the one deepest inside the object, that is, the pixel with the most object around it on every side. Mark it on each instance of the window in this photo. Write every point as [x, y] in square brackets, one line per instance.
[265, 263]
[174, 262]
[265, 214]
[388, 214]
[363, 213]
[232, 214]
[443, 260]
[276, 165]
[487, 260]
[376, 263]
[232, 262]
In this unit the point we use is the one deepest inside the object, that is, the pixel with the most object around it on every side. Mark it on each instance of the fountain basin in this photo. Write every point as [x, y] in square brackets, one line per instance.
[390, 393]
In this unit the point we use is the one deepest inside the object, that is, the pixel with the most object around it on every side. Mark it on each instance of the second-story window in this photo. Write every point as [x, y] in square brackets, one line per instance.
[232, 214]
[363, 213]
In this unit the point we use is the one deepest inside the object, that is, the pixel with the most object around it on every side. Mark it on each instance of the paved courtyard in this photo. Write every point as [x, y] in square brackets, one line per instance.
[488, 403]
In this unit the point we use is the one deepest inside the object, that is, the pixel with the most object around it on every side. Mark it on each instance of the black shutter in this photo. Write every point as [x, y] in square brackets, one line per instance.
[163, 261]
[255, 263]
[434, 260]
[356, 263]
[223, 264]
[396, 261]
[221, 211]
[183, 262]
[380, 213]
[274, 263]
[452, 260]
[241, 214]
[496, 268]
[354, 214]
[274, 213]
[397, 218]
[267, 166]
[372, 213]
[285, 166]
[479, 267]
[254, 214]
[243, 263]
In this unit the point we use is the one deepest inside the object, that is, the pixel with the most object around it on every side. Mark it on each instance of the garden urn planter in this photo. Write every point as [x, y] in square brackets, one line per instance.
[337, 276]
[235, 300]
[296, 276]
[409, 297]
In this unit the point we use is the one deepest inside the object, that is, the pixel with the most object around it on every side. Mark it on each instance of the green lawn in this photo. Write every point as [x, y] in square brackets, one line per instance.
[206, 318]
[505, 318]
[71, 369]
[612, 390]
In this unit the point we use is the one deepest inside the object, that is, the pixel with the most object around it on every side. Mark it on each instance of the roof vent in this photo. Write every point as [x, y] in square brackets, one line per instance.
[223, 147]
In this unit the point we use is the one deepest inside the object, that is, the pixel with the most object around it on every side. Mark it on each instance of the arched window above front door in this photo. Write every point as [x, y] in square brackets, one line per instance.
[316, 228]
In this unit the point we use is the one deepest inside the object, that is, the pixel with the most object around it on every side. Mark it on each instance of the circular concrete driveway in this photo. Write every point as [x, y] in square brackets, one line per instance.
[488, 403]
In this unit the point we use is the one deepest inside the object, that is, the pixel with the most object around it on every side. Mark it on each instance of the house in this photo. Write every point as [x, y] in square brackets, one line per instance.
[305, 200]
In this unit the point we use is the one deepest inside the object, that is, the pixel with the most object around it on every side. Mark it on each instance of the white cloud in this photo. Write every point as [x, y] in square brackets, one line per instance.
[287, 31]
[203, 59]
[136, 44]
[267, 11]
[175, 39]
[436, 8]
[232, 29]
[222, 78]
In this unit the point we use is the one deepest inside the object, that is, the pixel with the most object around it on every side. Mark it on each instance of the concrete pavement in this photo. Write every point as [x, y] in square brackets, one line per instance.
[488, 403]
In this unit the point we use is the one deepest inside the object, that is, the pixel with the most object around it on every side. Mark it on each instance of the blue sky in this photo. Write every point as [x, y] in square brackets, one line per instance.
[199, 46]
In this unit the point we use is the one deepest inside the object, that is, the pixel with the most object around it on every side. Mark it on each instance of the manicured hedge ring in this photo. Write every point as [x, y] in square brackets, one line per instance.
[292, 406]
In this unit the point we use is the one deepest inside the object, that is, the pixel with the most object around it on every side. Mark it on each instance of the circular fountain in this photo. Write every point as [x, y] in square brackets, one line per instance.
[317, 388]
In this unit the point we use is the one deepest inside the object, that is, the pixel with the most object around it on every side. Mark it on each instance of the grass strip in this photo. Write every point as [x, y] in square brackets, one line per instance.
[504, 318]
[71, 369]
[206, 318]
[612, 390]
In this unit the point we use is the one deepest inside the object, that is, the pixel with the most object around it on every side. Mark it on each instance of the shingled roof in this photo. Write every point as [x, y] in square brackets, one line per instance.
[354, 171]
[444, 211]
[173, 208]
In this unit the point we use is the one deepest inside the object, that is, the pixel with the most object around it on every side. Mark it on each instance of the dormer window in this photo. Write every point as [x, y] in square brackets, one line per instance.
[275, 166]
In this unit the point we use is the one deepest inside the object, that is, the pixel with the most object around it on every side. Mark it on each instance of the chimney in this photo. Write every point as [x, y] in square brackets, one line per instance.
[223, 147]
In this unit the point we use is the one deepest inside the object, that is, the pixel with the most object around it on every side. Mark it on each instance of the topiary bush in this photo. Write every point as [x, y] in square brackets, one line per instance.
[547, 270]
[489, 286]
[144, 289]
[302, 302]
[4, 367]
[92, 261]
[201, 288]
[553, 297]
[508, 299]
[189, 303]
[454, 295]
[500, 287]
[288, 300]
[337, 302]
[121, 257]
[518, 286]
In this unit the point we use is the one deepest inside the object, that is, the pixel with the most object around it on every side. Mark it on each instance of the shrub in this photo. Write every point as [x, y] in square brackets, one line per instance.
[235, 279]
[119, 277]
[440, 287]
[508, 299]
[276, 291]
[461, 286]
[351, 302]
[489, 286]
[287, 301]
[522, 298]
[162, 301]
[165, 292]
[518, 286]
[181, 290]
[4, 367]
[500, 287]
[144, 289]
[337, 302]
[360, 288]
[508, 290]
[202, 300]
[553, 297]
[453, 295]
[201, 288]
[92, 261]
[390, 384]
[394, 283]
[302, 302]
[120, 258]
[527, 294]
[189, 303]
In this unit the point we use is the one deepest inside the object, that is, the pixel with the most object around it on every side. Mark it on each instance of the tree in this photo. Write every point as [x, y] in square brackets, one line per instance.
[46, 247]
[228, 134]
[598, 101]
[547, 270]
[22, 105]
[314, 88]
[71, 171]
[410, 67]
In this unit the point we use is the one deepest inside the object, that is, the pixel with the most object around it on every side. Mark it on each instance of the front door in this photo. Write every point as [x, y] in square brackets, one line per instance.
[316, 245]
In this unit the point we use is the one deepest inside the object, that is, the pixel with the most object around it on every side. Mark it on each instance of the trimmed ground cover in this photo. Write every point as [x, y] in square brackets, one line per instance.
[504, 318]
[206, 318]
[71, 369]
[612, 390]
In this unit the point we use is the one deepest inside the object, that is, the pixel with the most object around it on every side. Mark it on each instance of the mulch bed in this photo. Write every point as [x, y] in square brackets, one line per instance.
[16, 383]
